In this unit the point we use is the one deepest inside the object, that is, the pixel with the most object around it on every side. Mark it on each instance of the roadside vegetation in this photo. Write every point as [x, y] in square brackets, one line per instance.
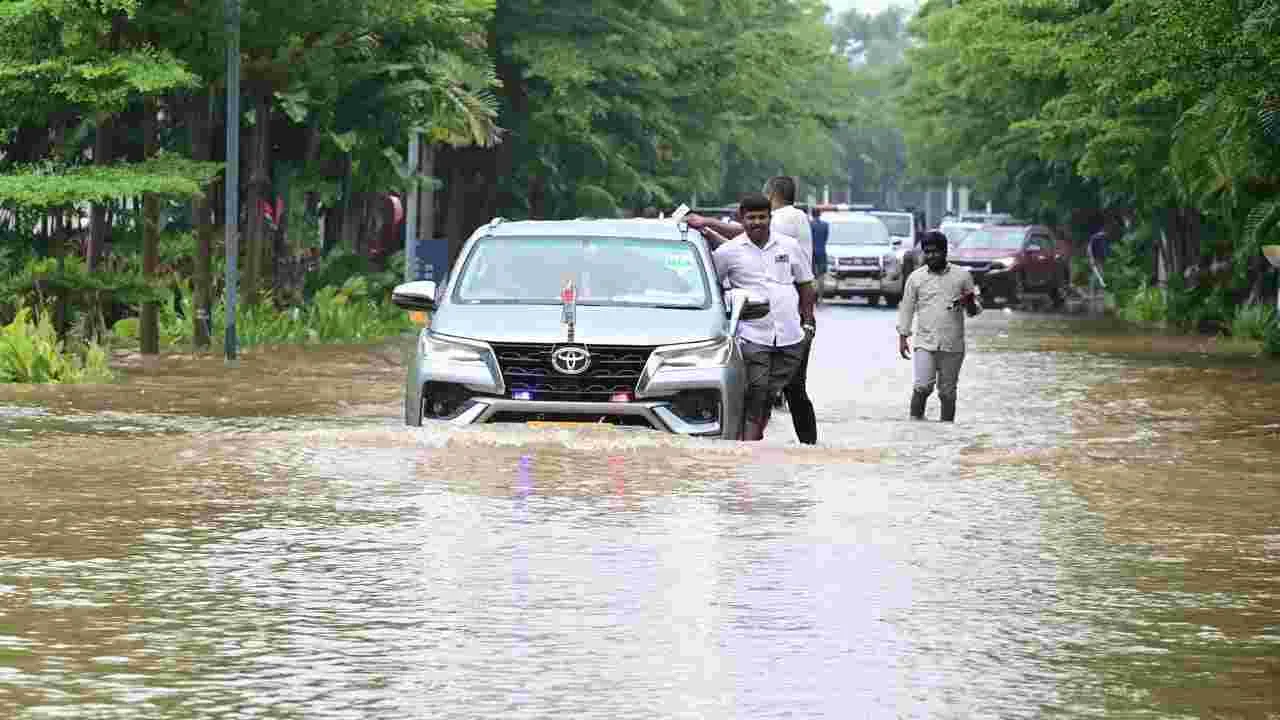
[1156, 120]
[112, 135]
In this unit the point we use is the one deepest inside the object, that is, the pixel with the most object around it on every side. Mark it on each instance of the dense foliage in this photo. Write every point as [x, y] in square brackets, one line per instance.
[1162, 115]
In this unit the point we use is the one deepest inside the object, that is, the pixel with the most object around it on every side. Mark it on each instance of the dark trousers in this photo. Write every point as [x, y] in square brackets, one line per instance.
[798, 402]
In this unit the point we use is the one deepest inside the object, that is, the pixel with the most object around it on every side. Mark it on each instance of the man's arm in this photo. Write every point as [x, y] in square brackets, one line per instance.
[972, 306]
[808, 298]
[724, 230]
[802, 272]
[906, 316]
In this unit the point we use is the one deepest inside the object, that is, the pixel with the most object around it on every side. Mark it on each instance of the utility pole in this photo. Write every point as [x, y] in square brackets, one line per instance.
[411, 213]
[232, 187]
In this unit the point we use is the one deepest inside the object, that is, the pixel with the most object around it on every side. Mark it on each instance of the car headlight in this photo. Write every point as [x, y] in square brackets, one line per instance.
[1004, 263]
[709, 354]
[443, 349]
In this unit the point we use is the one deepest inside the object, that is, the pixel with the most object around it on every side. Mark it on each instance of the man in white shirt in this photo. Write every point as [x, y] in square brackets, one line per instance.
[786, 219]
[937, 296]
[771, 265]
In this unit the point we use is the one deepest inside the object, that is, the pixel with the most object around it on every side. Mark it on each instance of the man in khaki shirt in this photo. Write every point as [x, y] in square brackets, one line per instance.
[937, 297]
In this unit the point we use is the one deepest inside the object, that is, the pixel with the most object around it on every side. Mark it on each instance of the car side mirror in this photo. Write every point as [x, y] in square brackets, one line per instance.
[417, 295]
[742, 306]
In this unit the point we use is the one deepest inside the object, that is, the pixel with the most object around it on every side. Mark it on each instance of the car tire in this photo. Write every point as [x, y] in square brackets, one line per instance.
[892, 300]
[1017, 288]
[873, 300]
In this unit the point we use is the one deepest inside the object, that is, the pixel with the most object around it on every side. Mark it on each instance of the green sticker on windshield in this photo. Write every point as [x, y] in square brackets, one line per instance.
[681, 262]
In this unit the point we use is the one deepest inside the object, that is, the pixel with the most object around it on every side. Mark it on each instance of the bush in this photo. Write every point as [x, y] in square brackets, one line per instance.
[30, 352]
[1147, 306]
[1252, 322]
[1271, 339]
[350, 313]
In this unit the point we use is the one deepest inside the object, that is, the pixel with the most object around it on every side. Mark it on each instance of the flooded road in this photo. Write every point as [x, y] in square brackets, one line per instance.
[1098, 536]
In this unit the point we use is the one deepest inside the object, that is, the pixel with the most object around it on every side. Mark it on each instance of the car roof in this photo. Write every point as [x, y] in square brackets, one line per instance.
[643, 228]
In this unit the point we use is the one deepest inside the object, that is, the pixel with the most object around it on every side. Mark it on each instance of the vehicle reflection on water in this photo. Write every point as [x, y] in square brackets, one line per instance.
[1096, 536]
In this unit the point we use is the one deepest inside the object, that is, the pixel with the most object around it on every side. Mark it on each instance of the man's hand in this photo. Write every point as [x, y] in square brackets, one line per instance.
[904, 349]
[697, 222]
[810, 330]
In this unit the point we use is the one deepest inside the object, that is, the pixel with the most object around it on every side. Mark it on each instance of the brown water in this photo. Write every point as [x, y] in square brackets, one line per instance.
[1098, 536]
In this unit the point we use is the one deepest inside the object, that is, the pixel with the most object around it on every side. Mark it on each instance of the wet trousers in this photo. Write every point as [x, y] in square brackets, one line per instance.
[937, 367]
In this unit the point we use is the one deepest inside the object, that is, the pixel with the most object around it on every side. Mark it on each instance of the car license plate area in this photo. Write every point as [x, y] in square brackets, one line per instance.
[859, 284]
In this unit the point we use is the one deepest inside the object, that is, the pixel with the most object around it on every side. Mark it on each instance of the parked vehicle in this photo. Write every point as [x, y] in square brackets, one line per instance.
[864, 260]
[1008, 260]
[599, 321]
[956, 231]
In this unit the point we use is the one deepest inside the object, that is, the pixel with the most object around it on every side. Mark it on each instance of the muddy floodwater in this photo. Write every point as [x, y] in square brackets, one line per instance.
[1097, 536]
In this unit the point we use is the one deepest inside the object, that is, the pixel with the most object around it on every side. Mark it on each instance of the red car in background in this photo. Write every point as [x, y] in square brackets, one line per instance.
[1009, 260]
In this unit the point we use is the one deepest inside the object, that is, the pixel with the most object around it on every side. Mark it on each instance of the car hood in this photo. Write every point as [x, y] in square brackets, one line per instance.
[859, 250]
[600, 325]
[980, 253]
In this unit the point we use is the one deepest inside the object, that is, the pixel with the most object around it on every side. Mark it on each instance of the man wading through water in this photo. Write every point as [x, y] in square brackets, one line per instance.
[791, 221]
[767, 264]
[938, 296]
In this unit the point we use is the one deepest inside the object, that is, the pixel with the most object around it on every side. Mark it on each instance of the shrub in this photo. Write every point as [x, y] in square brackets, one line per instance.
[1147, 306]
[1252, 322]
[30, 352]
[1271, 339]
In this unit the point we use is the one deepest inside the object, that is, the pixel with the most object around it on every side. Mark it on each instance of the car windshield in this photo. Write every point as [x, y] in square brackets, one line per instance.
[856, 233]
[605, 271]
[992, 240]
[900, 225]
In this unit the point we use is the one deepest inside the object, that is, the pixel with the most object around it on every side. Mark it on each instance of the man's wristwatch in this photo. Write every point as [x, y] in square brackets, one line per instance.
[810, 327]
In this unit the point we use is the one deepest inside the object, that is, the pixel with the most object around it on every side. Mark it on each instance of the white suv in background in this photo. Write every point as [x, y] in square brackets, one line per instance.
[863, 259]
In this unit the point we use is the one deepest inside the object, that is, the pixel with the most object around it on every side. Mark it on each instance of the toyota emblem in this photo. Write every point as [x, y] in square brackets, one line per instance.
[571, 360]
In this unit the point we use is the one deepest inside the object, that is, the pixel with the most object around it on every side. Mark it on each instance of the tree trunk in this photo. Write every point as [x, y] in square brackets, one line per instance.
[198, 124]
[98, 228]
[259, 191]
[149, 325]
[455, 222]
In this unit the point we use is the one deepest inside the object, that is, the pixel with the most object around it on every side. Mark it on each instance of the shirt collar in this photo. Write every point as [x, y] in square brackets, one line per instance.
[945, 269]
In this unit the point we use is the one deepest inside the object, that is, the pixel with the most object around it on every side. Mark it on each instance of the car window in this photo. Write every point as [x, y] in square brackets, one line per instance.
[1042, 241]
[605, 271]
[992, 239]
[898, 224]
[857, 233]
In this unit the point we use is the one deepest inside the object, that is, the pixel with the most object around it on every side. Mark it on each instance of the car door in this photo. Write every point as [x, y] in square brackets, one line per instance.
[1039, 253]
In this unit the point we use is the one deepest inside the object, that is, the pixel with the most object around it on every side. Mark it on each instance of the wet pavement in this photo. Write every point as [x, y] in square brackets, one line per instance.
[1098, 536]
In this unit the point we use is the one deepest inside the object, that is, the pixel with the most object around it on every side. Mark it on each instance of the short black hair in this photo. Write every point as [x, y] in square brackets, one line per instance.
[934, 237]
[753, 201]
[784, 187]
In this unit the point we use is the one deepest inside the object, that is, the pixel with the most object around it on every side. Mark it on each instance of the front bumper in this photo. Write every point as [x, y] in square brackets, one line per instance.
[658, 415]
[861, 281]
[658, 398]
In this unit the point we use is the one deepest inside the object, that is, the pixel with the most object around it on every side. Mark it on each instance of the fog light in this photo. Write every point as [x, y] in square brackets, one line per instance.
[620, 397]
[522, 395]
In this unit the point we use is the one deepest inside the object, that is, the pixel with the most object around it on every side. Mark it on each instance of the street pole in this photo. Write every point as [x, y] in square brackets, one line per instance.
[411, 213]
[232, 186]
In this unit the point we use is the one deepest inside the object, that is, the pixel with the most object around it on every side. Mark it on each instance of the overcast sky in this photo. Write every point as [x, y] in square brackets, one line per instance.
[872, 6]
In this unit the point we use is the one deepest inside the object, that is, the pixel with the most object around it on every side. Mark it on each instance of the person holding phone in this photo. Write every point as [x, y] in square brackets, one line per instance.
[936, 299]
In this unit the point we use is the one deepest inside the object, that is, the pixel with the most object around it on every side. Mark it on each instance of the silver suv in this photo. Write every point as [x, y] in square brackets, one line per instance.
[580, 321]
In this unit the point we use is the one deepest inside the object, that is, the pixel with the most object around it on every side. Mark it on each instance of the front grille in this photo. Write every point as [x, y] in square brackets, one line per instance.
[857, 261]
[526, 367]
[847, 274]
